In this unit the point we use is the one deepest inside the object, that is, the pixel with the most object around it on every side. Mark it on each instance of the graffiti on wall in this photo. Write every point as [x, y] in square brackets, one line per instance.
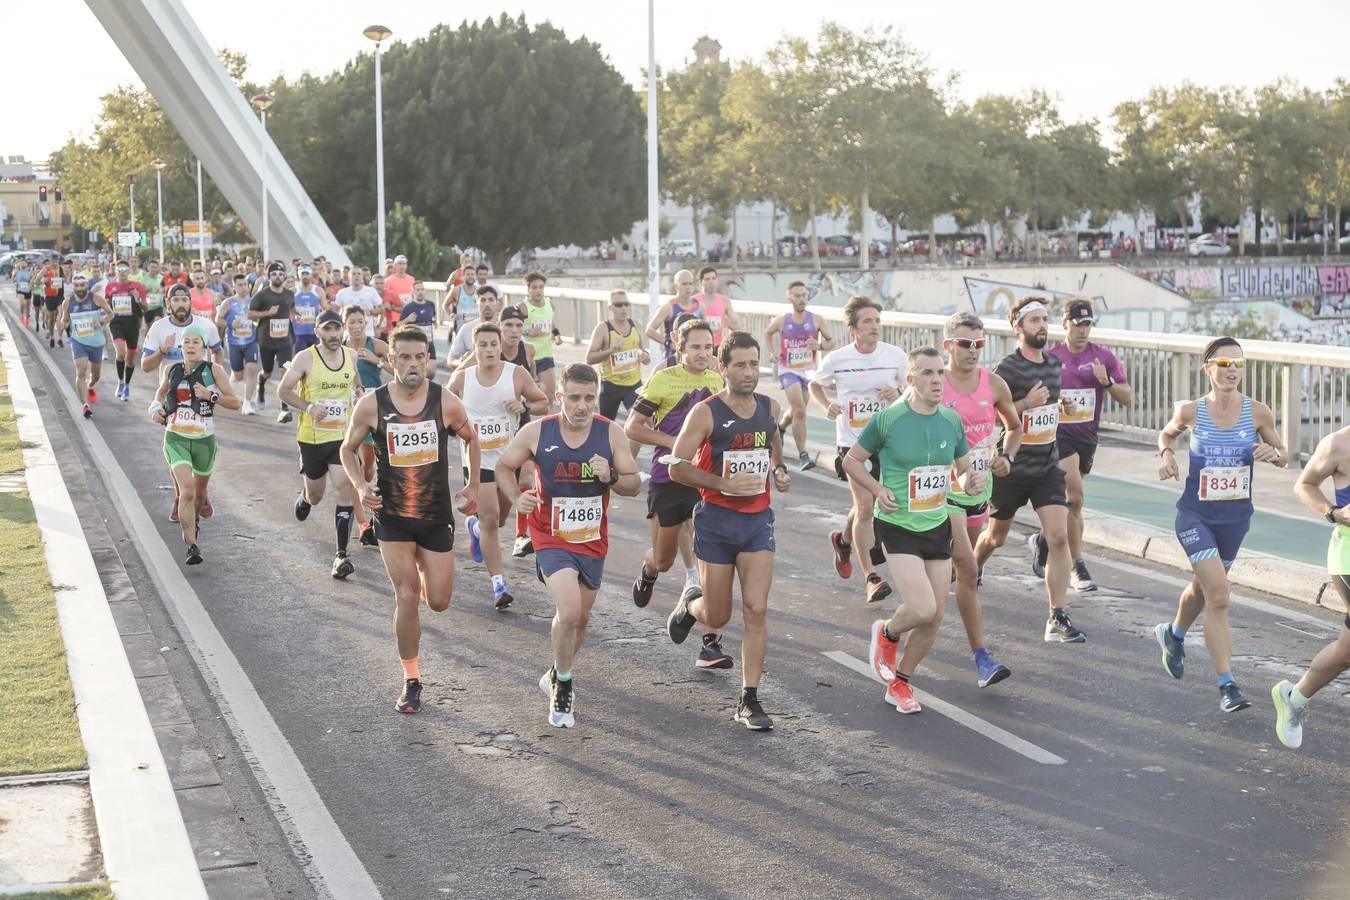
[1270, 282]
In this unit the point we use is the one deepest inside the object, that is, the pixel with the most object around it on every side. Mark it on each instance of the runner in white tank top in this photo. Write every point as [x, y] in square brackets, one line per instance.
[495, 393]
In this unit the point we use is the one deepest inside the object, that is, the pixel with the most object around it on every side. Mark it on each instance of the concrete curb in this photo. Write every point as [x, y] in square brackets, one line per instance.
[145, 845]
[1258, 571]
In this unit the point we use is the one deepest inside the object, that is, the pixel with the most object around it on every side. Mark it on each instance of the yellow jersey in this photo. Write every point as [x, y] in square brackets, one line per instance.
[334, 390]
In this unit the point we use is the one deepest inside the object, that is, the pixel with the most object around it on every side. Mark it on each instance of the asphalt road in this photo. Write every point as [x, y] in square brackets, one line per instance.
[657, 793]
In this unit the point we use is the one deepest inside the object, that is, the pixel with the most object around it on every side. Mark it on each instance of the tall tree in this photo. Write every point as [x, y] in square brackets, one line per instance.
[404, 229]
[695, 140]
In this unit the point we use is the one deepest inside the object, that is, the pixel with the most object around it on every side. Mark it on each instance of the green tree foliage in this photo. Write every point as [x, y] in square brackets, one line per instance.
[407, 233]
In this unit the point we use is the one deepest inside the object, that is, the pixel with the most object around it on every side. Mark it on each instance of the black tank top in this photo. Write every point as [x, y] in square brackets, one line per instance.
[522, 359]
[411, 462]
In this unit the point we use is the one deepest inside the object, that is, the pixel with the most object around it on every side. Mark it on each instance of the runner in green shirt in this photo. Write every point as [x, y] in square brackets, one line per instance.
[923, 450]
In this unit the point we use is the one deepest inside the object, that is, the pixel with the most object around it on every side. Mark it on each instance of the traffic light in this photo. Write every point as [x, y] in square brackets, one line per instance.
[42, 193]
[58, 193]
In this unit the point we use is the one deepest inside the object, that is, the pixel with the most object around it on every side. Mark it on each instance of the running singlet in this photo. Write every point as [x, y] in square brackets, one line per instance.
[858, 379]
[203, 303]
[714, 311]
[486, 407]
[572, 514]
[738, 445]
[916, 453]
[793, 353]
[332, 389]
[23, 280]
[1040, 424]
[1077, 383]
[1219, 480]
[678, 312]
[86, 320]
[127, 298]
[240, 330]
[666, 399]
[368, 372]
[186, 414]
[154, 291]
[978, 415]
[165, 327]
[624, 365]
[539, 327]
[411, 463]
[307, 307]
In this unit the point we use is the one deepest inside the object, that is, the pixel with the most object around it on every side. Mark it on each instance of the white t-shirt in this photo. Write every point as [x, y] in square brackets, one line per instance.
[366, 297]
[857, 378]
[165, 326]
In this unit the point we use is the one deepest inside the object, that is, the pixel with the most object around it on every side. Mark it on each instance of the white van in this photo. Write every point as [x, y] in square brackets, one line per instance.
[681, 249]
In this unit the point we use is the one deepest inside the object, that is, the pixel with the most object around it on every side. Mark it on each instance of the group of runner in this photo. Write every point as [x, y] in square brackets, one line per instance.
[939, 453]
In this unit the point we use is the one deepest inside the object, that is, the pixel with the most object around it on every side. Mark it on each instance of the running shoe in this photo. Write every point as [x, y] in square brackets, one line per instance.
[475, 547]
[711, 655]
[692, 591]
[173, 510]
[302, 507]
[368, 538]
[284, 416]
[501, 597]
[881, 651]
[680, 621]
[411, 699]
[117, 392]
[1059, 628]
[262, 391]
[51, 342]
[88, 413]
[194, 556]
[546, 682]
[23, 320]
[876, 588]
[246, 409]
[60, 342]
[1231, 699]
[807, 463]
[642, 590]
[1173, 650]
[561, 699]
[750, 714]
[1080, 579]
[523, 547]
[93, 396]
[842, 564]
[1288, 717]
[987, 670]
[1040, 552]
[900, 695]
[342, 566]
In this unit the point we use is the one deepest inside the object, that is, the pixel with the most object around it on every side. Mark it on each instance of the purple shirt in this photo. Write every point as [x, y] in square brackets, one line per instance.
[1078, 383]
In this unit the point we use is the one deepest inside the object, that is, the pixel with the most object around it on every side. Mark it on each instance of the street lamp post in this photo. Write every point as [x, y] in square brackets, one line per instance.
[131, 193]
[260, 103]
[159, 202]
[379, 34]
[201, 225]
[653, 196]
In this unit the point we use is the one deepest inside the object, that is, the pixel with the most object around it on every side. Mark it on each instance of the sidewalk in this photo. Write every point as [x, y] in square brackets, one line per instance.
[125, 825]
[1129, 510]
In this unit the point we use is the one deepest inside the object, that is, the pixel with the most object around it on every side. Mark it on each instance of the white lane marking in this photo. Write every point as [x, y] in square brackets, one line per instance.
[958, 715]
[145, 845]
[1179, 583]
[320, 847]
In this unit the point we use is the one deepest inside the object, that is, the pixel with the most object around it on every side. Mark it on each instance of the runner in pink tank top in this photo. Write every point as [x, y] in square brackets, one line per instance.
[716, 307]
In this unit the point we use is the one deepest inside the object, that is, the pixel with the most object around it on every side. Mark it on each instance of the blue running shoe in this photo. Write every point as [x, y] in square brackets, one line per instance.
[987, 670]
[1173, 650]
[475, 546]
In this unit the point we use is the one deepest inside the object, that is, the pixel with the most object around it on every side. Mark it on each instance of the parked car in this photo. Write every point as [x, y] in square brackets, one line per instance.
[34, 257]
[683, 248]
[1209, 245]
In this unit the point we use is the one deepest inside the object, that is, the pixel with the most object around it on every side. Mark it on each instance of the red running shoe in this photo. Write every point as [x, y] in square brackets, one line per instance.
[842, 564]
[901, 696]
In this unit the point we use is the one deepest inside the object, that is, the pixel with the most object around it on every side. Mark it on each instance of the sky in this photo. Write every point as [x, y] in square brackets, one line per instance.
[1087, 55]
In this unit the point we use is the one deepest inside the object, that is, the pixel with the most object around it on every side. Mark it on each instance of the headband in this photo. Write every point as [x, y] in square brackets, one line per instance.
[1032, 307]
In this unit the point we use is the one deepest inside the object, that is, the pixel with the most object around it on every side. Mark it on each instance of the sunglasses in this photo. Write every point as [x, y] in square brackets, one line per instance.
[969, 343]
[1224, 362]
[621, 304]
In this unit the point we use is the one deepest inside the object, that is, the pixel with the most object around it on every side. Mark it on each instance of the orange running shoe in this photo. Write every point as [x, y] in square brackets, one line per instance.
[881, 653]
[901, 696]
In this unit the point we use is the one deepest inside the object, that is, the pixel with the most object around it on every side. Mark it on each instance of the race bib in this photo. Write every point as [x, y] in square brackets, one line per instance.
[278, 328]
[429, 331]
[624, 361]
[1085, 405]
[154, 301]
[577, 519]
[541, 327]
[928, 488]
[734, 462]
[860, 409]
[405, 298]
[241, 327]
[1225, 482]
[121, 304]
[57, 282]
[415, 444]
[334, 414]
[186, 422]
[1039, 424]
[83, 325]
[494, 432]
[306, 314]
[981, 458]
[715, 323]
[800, 357]
[202, 315]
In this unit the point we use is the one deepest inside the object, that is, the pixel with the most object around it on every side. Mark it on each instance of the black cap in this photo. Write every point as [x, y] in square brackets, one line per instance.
[328, 315]
[1079, 311]
[179, 288]
[276, 267]
[512, 312]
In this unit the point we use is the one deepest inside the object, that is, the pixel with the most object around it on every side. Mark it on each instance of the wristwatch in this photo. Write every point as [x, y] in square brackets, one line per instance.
[613, 477]
[1331, 515]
